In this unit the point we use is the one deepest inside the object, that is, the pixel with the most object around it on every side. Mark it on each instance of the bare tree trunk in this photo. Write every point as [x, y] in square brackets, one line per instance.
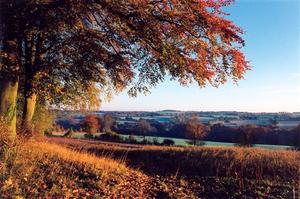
[8, 105]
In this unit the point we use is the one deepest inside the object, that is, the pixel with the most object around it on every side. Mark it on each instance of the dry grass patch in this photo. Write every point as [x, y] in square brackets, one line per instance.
[45, 170]
[254, 163]
[105, 164]
[239, 162]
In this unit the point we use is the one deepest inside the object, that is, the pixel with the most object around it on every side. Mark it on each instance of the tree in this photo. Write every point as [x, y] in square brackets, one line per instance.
[296, 132]
[48, 72]
[180, 118]
[113, 43]
[91, 124]
[195, 130]
[108, 122]
[274, 123]
[144, 127]
[46, 69]
[9, 66]
[168, 142]
[246, 135]
[38, 36]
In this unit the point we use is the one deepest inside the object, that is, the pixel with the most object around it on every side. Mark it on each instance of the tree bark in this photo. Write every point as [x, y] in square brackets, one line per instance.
[28, 110]
[30, 96]
[10, 69]
[8, 105]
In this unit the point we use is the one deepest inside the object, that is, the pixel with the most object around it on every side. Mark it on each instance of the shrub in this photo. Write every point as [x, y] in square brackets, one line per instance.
[88, 136]
[49, 132]
[146, 142]
[155, 141]
[68, 134]
[195, 142]
[132, 140]
[168, 142]
[111, 136]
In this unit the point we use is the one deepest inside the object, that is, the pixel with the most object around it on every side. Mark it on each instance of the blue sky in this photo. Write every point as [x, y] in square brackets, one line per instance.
[272, 47]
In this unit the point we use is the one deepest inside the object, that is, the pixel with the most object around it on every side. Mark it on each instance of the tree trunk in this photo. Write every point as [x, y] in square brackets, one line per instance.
[28, 110]
[8, 105]
[30, 96]
[10, 67]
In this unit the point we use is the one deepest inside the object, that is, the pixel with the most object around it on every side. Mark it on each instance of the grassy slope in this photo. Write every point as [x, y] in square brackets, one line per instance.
[50, 170]
[39, 169]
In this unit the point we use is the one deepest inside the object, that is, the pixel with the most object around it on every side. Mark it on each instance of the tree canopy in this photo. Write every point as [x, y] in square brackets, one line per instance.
[59, 50]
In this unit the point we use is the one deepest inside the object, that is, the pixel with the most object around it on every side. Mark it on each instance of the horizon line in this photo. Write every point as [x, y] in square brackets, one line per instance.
[174, 110]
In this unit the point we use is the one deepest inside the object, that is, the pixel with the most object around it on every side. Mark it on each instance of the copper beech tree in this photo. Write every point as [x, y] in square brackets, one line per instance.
[116, 44]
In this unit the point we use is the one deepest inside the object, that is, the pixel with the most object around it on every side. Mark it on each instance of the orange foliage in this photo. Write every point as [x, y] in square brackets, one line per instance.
[117, 44]
[91, 123]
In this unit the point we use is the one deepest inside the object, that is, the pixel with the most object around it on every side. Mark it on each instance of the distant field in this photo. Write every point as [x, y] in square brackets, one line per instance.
[180, 141]
[185, 142]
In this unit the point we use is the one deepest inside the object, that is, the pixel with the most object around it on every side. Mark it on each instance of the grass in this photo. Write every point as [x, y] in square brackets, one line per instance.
[40, 169]
[205, 172]
[251, 163]
[72, 168]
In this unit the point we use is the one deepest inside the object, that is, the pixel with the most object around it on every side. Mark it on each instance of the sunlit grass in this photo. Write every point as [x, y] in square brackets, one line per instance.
[35, 169]
[106, 164]
[252, 163]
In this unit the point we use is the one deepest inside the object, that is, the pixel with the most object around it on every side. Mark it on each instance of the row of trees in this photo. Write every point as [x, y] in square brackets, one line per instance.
[193, 129]
[219, 132]
[92, 124]
[63, 53]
